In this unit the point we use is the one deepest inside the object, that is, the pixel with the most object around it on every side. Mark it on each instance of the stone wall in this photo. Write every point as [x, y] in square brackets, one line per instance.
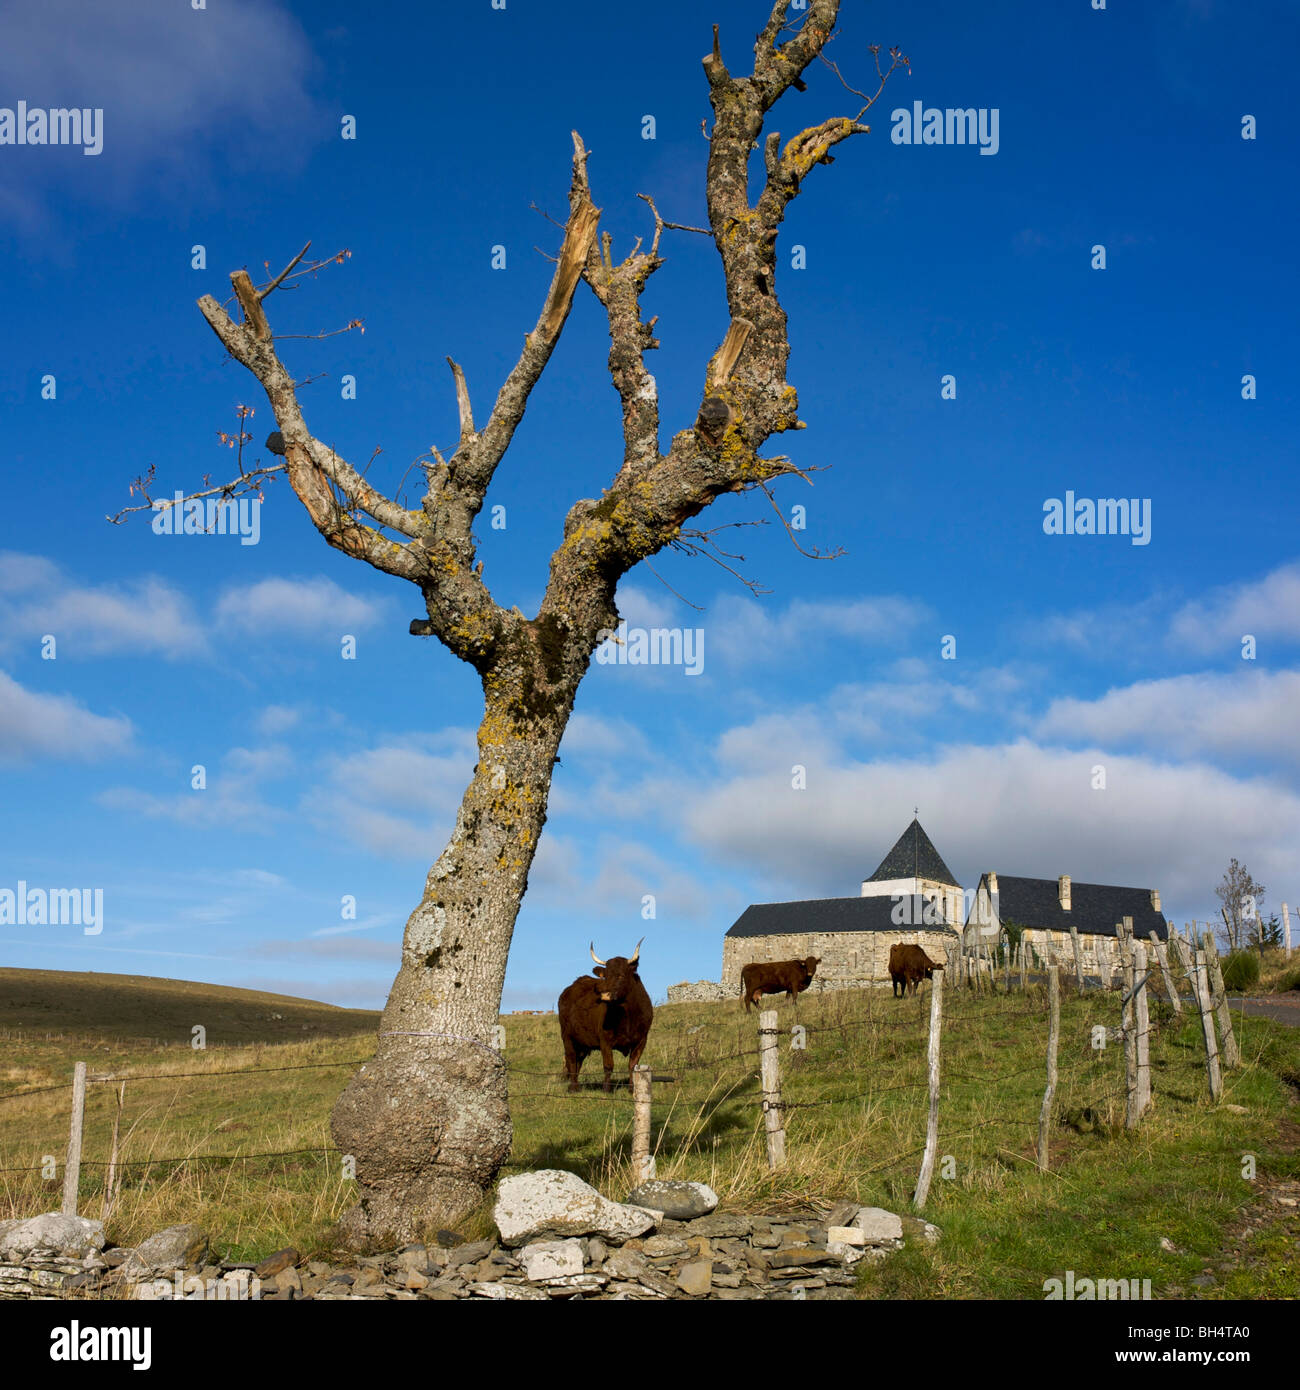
[848, 960]
[701, 992]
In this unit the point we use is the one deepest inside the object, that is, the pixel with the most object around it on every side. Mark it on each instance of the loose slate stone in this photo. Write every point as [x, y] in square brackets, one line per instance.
[518, 1292]
[720, 1224]
[680, 1201]
[696, 1278]
[798, 1258]
[170, 1250]
[273, 1264]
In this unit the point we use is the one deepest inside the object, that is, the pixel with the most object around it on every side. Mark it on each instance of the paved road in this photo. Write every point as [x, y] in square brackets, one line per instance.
[1284, 1008]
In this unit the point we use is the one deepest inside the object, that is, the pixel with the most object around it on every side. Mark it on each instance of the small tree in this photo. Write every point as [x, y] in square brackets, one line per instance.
[427, 1119]
[1240, 897]
[1264, 936]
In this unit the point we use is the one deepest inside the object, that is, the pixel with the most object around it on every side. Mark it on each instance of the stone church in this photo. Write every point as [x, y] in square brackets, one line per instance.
[912, 897]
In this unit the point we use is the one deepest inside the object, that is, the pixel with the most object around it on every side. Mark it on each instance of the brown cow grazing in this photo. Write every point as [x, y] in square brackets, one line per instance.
[790, 977]
[908, 966]
[608, 1010]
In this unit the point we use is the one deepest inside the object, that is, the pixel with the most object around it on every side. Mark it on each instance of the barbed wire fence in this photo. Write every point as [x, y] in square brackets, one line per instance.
[763, 1083]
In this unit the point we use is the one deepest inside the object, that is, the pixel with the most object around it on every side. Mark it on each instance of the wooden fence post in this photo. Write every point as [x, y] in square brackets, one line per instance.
[1024, 953]
[1231, 1051]
[1286, 929]
[1128, 983]
[72, 1169]
[1078, 958]
[770, 1058]
[1053, 1039]
[1142, 1026]
[643, 1165]
[1207, 1027]
[932, 1123]
[1162, 956]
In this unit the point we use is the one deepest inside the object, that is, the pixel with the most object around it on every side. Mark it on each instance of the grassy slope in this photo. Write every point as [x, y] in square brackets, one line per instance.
[855, 1130]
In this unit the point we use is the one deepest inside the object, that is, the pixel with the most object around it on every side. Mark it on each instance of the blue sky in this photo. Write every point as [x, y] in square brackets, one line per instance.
[329, 778]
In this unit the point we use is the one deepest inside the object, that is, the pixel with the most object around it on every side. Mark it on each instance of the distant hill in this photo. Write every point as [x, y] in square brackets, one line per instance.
[141, 1006]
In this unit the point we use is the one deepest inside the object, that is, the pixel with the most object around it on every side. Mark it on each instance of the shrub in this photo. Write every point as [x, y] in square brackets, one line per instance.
[1240, 970]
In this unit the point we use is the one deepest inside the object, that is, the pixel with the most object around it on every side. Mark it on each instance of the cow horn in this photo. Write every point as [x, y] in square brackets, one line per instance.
[636, 953]
[592, 948]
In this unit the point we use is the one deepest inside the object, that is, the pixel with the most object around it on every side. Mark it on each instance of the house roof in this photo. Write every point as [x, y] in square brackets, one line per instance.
[914, 856]
[832, 915]
[1095, 908]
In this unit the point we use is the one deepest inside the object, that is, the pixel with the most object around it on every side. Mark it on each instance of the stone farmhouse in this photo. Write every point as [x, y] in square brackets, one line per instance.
[1046, 908]
[913, 897]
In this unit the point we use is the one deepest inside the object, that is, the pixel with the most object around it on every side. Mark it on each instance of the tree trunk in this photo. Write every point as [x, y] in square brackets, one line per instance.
[427, 1119]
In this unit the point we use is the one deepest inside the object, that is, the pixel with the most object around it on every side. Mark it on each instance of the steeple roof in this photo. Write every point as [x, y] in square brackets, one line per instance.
[914, 856]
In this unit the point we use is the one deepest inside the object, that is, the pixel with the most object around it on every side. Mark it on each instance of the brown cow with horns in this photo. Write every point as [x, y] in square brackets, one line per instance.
[607, 1010]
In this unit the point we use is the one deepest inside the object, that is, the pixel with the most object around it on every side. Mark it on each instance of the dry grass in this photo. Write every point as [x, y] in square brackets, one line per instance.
[855, 1125]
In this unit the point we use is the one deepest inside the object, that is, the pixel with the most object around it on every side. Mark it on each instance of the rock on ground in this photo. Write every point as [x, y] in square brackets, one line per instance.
[553, 1202]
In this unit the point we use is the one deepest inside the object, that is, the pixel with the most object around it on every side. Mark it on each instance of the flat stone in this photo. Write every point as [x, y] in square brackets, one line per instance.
[680, 1201]
[621, 1289]
[696, 1278]
[576, 1284]
[469, 1254]
[657, 1246]
[724, 1224]
[798, 1259]
[553, 1202]
[844, 1235]
[517, 1292]
[171, 1249]
[273, 1264]
[552, 1259]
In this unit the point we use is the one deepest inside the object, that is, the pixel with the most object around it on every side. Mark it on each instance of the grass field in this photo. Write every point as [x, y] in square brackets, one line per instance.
[856, 1096]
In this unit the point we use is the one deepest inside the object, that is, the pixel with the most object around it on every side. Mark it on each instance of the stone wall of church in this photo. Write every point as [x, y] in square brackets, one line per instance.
[848, 960]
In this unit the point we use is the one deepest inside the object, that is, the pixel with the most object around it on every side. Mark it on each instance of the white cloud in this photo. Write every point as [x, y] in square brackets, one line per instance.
[1268, 607]
[1250, 713]
[399, 799]
[308, 606]
[233, 796]
[180, 89]
[747, 632]
[33, 724]
[146, 616]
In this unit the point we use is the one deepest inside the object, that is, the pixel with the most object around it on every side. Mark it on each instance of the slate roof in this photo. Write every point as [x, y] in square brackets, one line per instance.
[1095, 908]
[914, 856]
[830, 915]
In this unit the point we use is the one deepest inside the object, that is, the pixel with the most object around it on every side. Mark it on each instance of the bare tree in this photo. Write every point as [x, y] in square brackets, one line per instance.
[427, 1120]
[1240, 897]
